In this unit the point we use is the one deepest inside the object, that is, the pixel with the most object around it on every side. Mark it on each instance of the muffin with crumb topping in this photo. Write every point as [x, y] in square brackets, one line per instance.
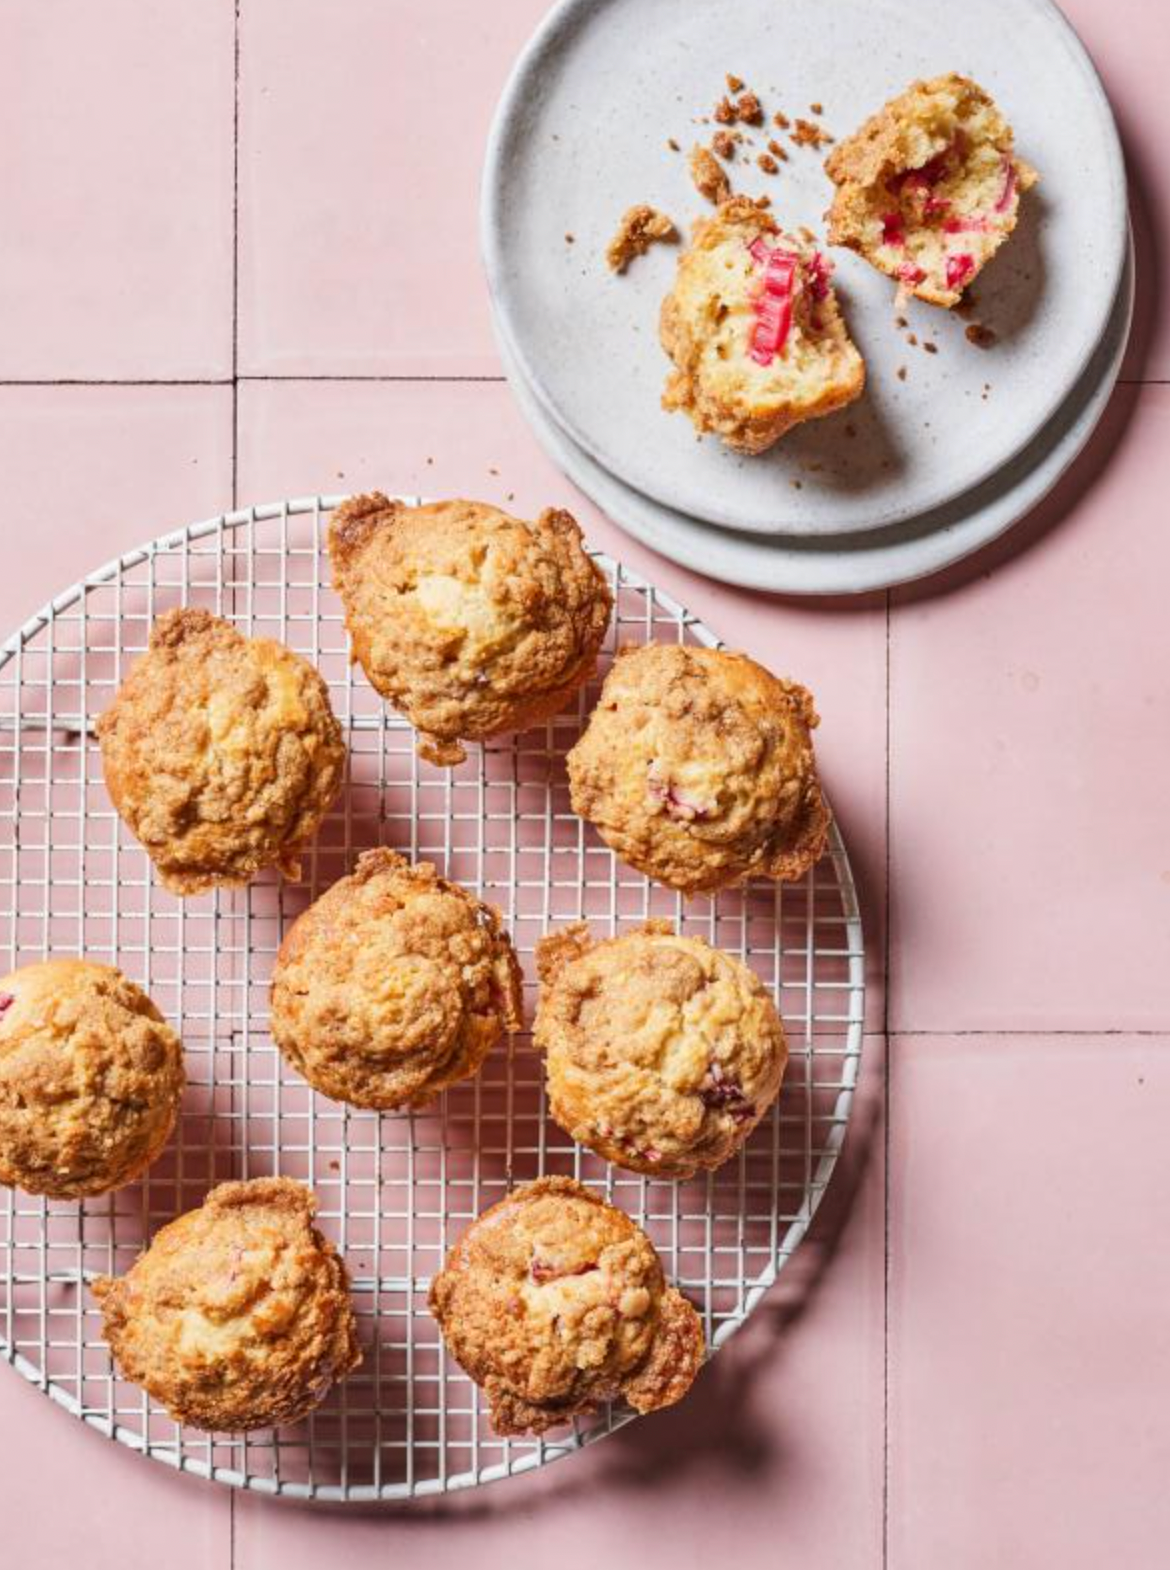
[221, 753]
[554, 1301]
[91, 1077]
[393, 985]
[238, 1315]
[470, 621]
[697, 768]
[662, 1053]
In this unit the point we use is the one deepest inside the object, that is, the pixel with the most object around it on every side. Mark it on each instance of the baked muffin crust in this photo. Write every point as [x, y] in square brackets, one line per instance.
[395, 984]
[469, 621]
[221, 753]
[238, 1315]
[662, 1053]
[91, 1076]
[554, 1301]
[697, 768]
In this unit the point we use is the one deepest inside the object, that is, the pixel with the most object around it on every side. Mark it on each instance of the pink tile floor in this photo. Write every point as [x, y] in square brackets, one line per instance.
[969, 1362]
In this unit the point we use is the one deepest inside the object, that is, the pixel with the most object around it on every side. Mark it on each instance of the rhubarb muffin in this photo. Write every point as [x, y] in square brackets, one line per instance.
[469, 621]
[697, 768]
[754, 330]
[238, 1315]
[929, 188]
[661, 1052]
[91, 1076]
[554, 1301]
[393, 985]
[221, 753]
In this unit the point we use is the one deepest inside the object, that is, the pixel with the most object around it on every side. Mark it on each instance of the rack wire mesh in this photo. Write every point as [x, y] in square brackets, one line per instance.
[394, 1190]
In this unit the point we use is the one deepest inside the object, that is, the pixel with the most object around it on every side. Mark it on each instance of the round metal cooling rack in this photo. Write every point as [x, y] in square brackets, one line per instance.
[394, 1191]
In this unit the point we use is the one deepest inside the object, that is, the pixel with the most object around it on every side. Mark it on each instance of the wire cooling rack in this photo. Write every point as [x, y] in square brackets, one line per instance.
[394, 1190]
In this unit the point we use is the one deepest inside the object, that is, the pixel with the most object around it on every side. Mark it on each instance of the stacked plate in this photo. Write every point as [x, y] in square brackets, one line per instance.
[953, 440]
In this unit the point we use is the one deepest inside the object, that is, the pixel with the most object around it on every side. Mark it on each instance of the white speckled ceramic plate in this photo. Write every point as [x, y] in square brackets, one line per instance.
[851, 564]
[581, 134]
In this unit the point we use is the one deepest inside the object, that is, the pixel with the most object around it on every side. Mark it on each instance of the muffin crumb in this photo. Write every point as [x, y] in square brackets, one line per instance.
[638, 230]
[806, 134]
[708, 177]
[747, 109]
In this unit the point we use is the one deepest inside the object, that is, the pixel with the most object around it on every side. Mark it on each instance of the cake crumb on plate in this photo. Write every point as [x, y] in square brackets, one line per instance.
[640, 227]
[709, 178]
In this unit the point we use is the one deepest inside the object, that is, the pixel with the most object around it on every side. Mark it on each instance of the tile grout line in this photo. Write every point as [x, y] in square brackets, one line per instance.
[373, 377]
[1036, 1033]
[228, 381]
[231, 1564]
[886, 946]
[236, 254]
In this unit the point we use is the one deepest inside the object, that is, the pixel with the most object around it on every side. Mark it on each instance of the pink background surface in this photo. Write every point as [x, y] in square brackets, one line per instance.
[968, 1363]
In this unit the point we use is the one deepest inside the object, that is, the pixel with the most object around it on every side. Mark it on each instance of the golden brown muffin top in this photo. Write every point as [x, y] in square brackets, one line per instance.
[662, 1052]
[238, 1315]
[393, 985]
[90, 1079]
[697, 768]
[554, 1301]
[470, 621]
[221, 753]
